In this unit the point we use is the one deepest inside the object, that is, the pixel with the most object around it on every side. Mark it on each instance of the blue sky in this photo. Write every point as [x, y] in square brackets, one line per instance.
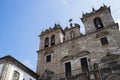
[21, 21]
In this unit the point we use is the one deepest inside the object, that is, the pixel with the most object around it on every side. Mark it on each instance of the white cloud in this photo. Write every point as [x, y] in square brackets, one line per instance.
[29, 64]
[65, 2]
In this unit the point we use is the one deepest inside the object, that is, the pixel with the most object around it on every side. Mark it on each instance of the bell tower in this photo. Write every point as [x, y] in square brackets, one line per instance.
[97, 19]
[51, 36]
[72, 32]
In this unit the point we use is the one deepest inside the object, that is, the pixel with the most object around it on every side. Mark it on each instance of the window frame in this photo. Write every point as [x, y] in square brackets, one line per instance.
[104, 41]
[72, 34]
[52, 39]
[98, 21]
[48, 58]
[46, 44]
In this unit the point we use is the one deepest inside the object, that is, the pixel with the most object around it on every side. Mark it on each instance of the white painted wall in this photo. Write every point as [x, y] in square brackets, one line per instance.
[23, 74]
[1, 67]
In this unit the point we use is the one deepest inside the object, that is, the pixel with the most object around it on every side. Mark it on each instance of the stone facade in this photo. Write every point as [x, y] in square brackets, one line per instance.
[74, 56]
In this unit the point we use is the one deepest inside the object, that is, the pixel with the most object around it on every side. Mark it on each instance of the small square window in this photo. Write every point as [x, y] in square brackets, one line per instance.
[48, 58]
[104, 40]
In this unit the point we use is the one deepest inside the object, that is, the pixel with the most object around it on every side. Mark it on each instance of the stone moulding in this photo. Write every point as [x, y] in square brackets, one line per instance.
[101, 34]
[113, 77]
[49, 72]
[48, 52]
[82, 53]
[79, 54]
[68, 57]
[109, 57]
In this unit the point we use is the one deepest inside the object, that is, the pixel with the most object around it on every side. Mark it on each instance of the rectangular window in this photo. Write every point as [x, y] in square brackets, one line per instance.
[84, 64]
[104, 40]
[48, 58]
[85, 69]
[68, 69]
[16, 75]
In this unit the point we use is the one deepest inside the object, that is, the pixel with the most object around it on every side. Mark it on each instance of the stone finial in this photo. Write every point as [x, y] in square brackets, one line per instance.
[71, 25]
[49, 29]
[77, 25]
[70, 20]
[93, 9]
[66, 28]
[58, 24]
[55, 25]
[104, 5]
[83, 14]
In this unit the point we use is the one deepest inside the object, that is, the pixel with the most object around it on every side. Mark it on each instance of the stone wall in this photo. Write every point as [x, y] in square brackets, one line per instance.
[83, 46]
[75, 49]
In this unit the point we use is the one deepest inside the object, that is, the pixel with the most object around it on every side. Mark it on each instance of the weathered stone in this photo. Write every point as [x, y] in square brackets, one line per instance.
[71, 46]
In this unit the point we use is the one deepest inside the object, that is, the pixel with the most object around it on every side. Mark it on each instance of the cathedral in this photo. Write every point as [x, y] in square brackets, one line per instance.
[68, 54]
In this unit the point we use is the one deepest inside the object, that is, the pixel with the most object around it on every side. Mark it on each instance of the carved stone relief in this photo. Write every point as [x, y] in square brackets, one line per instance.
[109, 57]
[113, 77]
[101, 34]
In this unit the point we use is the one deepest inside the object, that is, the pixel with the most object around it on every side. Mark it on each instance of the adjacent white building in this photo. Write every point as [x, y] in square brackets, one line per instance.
[12, 69]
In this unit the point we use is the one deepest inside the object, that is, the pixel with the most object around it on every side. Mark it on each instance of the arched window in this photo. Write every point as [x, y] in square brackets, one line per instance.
[72, 35]
[98, 23]
[46, 42]
[52, 40]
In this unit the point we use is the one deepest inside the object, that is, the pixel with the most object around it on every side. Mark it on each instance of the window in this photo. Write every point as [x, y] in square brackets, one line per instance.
[68, 69]
[98, 23]
[46, 42]
[52, 40]
[85, 69]
[48, 58]
[16, 75]
[84, 64]
[72, 35]
[104, 40]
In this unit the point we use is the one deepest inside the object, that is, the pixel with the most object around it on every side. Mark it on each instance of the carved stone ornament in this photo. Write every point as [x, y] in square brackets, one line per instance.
[48, 72]
[49, 52]
[65, 58]
[101, 34]
[109, 57]
[113, 77]
[82, 53]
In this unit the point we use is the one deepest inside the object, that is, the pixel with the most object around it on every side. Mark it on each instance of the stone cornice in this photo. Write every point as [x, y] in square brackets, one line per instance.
[95, 11]
[47, 31]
